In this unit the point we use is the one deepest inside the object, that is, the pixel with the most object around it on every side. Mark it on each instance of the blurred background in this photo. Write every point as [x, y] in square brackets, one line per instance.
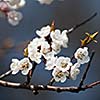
[66, 13]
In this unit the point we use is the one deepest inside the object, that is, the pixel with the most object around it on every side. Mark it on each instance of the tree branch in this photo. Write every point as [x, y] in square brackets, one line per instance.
[86, 70]
[82, 23]
[48, 87]
[5, 74]
[29, 76]
[51, 81]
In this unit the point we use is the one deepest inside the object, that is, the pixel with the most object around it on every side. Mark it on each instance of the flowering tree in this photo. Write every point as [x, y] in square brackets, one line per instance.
[45, 48]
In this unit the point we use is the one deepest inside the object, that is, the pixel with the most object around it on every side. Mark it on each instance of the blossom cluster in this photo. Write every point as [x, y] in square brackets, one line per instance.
[45, 48]
[8, 9]
[63, 68]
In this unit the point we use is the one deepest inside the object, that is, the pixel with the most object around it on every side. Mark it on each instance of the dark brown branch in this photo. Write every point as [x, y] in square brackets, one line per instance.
[82, 23]
[29, 76]
[92, 84]
[51, 81]
[86, 70]
[48, 87]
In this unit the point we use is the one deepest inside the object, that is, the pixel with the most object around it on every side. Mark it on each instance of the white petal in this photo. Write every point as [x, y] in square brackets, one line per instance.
[56, 79]
[14, 65]
[30, 66]
[15, 60]
[24, 72]
[45, 31]
[50, 64]
[15, 72]
[74, 73]
[63, 79]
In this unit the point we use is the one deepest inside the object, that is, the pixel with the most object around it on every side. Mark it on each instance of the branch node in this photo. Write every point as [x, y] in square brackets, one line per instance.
[35, 91]
[58, 90]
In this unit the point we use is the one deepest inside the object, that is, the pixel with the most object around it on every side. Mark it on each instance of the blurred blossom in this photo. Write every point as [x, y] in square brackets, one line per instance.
[7, 9]
[45, 1]
[3, 9]
[14, 17]
[15, 4]
[4, 6]
[8, 43]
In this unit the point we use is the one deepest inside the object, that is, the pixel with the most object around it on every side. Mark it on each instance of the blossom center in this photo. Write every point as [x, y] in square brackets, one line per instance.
[59, 74]
[25, 66]
[63, 64]
[80, 55]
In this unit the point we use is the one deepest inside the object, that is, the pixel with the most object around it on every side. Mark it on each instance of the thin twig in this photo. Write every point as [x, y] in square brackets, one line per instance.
[92, 84]
[29, 76]
[51, 81]
[5, 74]
[82, 23]
[48, 88]
[86, 70]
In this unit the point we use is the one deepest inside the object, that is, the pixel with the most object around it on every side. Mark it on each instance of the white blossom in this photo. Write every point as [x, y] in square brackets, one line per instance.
[35, 43]
[14, 17]
[25, 66]
[60, 38]
[49, 55]
[45, 31]
[37, 48]
[51, 63]
[35, 56]
[45, 1]
[34, 48]
[14, 66]
[82, 55]
[45, 48]
[63, 63]
[56, 48]
[15, 4]
[74, 71]
[59, 76]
